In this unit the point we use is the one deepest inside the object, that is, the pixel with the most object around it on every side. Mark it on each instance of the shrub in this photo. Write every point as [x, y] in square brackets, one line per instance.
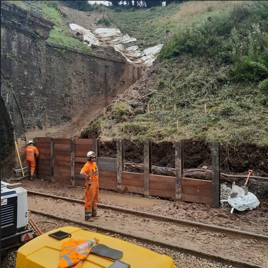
[120, 111]
[263, 86]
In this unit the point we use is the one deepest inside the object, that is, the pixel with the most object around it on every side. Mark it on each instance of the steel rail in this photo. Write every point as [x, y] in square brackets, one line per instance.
[185, 250]
[203, 226]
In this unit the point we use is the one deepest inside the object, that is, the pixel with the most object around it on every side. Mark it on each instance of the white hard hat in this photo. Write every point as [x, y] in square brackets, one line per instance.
[91, 154]
[30, 142]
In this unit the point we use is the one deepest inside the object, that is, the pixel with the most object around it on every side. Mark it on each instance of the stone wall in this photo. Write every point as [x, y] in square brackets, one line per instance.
[23, 65]
[43, 85]
[76, 81]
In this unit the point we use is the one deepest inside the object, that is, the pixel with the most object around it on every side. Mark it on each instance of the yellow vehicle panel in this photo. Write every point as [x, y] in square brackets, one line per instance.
[44, 252]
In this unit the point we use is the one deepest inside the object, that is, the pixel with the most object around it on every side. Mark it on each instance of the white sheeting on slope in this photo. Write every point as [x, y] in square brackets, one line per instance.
[113, 37]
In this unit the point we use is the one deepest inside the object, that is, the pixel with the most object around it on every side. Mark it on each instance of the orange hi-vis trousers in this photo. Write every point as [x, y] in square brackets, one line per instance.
[31, 152]
[31, 165]
[91, 198]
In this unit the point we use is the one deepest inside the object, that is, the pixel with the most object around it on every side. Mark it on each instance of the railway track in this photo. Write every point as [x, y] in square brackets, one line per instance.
[224, 245]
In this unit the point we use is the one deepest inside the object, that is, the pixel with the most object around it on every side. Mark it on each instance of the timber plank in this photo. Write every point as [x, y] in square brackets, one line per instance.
[43, 146]
[61, 141]
[64, 157]
[61, 163]
[44, 157]
[198, 191]
[62, 148]
[135, 190]
[62, 173]
[159, 178]
[82, 149]
[197, 199]
[133, 179]
[46, 154]
[162, 193]
[43, 165]
[42, 139]
[162, 186]
[107, 174]
[108, 183]
[43, 170]
[80, 159]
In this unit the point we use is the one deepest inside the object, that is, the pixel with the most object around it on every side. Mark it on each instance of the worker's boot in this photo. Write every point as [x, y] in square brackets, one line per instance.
[32, 177]
[88, 215]
[94, 212]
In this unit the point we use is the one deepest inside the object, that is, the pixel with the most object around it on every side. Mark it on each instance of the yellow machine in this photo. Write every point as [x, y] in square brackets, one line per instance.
[44, 252]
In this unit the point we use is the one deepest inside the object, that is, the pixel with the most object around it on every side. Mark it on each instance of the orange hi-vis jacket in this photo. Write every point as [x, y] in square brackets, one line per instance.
[74, 251]
[30, 152]
[91, 169]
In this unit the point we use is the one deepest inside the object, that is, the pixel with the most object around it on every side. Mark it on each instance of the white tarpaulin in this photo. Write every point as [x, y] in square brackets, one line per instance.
[114, 38]
[241, 200]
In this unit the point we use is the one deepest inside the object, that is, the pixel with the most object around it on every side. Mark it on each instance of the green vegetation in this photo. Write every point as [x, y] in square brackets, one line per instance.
[211, 79]
[148, 26]
[238, 38]
[212, 75]
[60, 34]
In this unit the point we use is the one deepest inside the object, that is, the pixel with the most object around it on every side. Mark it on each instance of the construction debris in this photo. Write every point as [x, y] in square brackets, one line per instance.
[112, 37]
[241, 199]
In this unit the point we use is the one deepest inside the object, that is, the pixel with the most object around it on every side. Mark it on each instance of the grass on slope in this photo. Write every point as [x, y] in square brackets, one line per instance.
[189, 101]
[196, 96]
[60, 33]
[155, 25]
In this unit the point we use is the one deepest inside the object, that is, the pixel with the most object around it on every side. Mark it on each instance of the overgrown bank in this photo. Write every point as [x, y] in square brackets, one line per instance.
[210, 83]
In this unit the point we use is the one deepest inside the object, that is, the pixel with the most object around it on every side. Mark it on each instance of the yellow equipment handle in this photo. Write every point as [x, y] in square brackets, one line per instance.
[19, 158]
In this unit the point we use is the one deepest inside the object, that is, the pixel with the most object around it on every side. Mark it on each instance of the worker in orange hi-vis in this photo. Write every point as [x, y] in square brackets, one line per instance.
[32, 154]
[90, 172]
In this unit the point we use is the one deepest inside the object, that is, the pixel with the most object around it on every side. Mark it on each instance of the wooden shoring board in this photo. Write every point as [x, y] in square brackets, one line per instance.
[43, 145]
[162, 186]
[197, 191]
[108, 180]
[62, 160]
[133, 179]
[80, 147]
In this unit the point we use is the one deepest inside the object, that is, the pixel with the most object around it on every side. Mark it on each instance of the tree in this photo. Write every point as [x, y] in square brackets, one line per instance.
[115, 3]
[152, 3]
[80, 5]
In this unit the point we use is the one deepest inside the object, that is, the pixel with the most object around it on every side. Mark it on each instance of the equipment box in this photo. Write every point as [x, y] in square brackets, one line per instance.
[17, 172]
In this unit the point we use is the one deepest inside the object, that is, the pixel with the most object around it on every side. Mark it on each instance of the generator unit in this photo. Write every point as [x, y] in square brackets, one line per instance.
[46, 251]
[15, 230]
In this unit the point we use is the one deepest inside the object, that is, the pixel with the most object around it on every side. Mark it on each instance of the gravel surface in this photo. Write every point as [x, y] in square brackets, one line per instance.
[255, 221]
[188, 237]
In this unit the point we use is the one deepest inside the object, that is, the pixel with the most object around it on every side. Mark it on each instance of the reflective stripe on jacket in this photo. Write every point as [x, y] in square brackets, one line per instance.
[74, 251]
[30, 152]
[91, 169]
